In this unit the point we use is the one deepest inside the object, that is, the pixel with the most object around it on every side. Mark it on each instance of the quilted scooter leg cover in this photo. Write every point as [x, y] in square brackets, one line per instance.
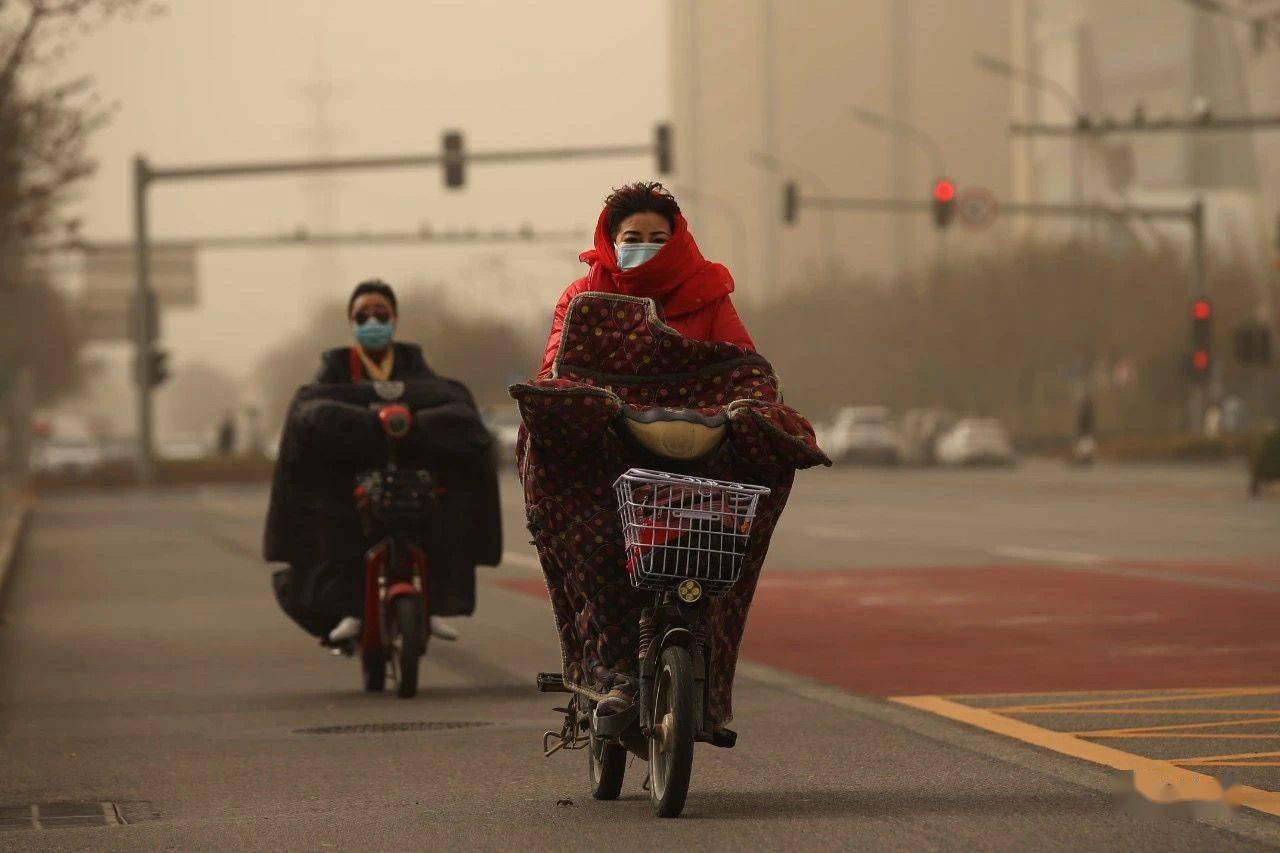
[615, 351]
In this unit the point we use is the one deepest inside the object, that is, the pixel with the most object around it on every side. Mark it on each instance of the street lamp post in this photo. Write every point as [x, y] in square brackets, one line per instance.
[926, 143]
[1063, 95]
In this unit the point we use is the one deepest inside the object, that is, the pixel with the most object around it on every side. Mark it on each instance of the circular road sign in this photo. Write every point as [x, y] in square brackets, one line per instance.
[978, 207]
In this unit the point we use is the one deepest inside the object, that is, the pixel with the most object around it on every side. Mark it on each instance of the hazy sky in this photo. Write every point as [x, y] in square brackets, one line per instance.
[219, 80]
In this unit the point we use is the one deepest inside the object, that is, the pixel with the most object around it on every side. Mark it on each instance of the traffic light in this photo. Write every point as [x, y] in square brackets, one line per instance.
[154, 369]
[790, 202]
[1201, 339]
[455, 160]
[944, 202]
[663, 155]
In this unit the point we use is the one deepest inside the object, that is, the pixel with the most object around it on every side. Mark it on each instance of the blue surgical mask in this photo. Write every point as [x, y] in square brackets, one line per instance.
[373, 334]
[634, 254]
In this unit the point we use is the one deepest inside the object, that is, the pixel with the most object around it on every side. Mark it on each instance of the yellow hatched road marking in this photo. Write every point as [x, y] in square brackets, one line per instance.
[1139, 700]
[1067, 744]
[1143, 731]
[1196, 759]
[1133, 711]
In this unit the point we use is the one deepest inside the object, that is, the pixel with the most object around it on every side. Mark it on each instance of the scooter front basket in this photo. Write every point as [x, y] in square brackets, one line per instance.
[678, 528]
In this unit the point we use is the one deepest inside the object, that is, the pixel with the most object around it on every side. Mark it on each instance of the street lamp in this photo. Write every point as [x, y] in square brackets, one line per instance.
[922, 138]
[764, 160]
[1070, 102]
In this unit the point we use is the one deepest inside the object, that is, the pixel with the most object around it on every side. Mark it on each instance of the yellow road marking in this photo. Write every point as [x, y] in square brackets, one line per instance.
[1131, 711]
[1196, 759]
[1066, 744]
[1163, 691]
[1162, 697]
[1217, 724]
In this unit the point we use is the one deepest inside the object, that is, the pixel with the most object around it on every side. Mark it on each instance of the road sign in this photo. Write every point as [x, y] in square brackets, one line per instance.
[109, 270]
[113, 317]
[978, 207]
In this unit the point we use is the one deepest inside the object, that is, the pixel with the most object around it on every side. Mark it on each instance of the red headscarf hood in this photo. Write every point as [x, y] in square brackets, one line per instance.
[678, 277]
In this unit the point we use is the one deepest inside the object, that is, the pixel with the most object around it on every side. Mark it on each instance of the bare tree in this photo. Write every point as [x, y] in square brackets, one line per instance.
[45, 128]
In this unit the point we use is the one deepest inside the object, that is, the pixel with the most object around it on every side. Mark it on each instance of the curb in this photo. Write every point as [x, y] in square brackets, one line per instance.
[11, 536]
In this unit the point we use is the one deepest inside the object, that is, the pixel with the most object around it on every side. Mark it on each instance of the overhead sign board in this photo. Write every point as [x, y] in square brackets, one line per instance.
[110, 274]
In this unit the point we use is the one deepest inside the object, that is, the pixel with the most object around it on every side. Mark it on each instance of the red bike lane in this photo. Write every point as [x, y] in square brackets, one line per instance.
[1016, 628]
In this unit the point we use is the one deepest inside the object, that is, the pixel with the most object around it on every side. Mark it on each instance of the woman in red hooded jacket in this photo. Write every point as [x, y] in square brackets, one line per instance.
[643, 248]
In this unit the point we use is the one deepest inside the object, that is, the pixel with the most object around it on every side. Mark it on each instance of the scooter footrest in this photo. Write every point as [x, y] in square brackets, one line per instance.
[613, 725]
[551, 682]
[724, 738]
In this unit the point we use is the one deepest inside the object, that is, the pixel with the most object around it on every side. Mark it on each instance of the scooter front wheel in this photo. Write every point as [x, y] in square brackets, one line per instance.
[409, 644]
[671, 742]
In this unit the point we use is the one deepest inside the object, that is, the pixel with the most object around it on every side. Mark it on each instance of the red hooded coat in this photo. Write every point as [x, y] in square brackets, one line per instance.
[692, 293]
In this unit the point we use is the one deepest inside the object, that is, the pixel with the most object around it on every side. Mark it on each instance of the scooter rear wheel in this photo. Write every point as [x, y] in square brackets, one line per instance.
[671, 744]
[607, 763]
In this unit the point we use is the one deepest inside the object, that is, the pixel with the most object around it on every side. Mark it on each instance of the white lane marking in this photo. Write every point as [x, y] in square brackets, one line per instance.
[524, 561]
[834, 532]
[1017, 552]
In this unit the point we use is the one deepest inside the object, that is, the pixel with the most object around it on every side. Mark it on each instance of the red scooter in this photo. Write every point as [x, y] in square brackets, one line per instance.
[397, 508]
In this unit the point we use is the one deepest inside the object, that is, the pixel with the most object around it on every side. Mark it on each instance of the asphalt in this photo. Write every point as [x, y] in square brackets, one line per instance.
[143, 664]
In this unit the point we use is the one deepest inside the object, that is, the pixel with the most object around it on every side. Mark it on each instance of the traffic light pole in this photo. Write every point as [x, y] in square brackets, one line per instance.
[143, 324]
[144, 175]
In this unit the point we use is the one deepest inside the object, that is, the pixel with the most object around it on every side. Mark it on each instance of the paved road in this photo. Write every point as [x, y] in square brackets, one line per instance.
[143, 664]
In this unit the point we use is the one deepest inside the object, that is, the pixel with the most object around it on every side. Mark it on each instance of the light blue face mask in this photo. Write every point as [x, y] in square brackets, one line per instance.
[634, 254]
[373, 334]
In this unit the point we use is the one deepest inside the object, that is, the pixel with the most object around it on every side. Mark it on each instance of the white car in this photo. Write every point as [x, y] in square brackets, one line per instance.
[976, 441]
[863, 434]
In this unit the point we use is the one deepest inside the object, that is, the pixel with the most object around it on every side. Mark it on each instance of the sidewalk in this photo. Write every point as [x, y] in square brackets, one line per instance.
[15, 507]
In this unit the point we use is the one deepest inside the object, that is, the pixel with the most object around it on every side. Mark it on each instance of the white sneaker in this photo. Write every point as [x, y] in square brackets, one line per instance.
[347, 629]
[442, 629]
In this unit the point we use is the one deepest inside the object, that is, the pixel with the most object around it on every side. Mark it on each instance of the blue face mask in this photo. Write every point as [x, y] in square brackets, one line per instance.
[634, 254]
[374, 334]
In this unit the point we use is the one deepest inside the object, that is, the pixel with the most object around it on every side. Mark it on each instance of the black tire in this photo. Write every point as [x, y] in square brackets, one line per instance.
[374, 664]
[671, 752]
[409, 642]
[607, 764]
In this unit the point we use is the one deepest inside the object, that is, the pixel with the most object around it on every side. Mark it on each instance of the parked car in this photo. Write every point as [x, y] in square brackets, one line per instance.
[921, 429]
[976, 441]
[863, 434]
[66, 456]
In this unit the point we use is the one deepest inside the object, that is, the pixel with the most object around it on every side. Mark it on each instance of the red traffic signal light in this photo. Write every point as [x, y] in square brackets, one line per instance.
[1200, 361]
[944, 202]
[1202, 310]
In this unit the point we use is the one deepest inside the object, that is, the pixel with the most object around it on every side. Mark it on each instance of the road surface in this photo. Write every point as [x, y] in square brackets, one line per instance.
[937, 660]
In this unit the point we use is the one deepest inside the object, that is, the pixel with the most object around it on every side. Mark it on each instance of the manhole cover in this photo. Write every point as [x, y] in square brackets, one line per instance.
[378, 728]
[59, 815]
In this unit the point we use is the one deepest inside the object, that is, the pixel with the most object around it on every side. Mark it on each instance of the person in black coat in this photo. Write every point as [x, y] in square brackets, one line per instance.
[373, 312]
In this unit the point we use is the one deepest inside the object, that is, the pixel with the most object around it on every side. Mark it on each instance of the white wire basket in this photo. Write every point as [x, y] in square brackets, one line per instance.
[677, 528]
